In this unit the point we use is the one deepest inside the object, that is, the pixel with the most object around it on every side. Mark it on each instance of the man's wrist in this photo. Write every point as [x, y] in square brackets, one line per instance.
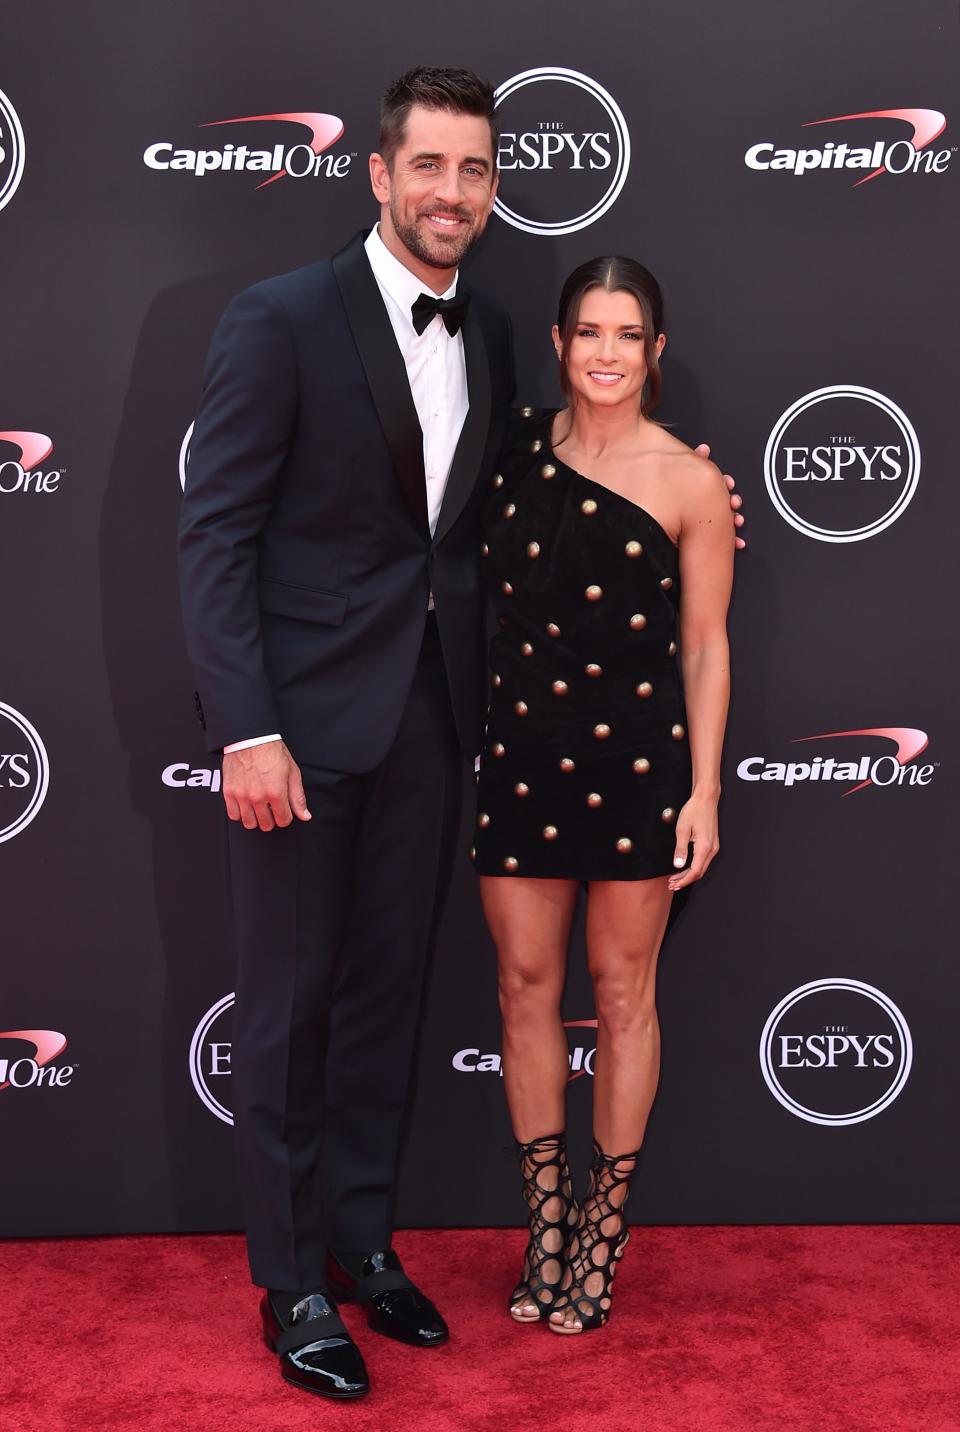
[253, 741]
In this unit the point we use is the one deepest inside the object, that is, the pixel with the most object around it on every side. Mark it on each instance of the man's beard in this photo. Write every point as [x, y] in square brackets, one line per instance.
[435, 251]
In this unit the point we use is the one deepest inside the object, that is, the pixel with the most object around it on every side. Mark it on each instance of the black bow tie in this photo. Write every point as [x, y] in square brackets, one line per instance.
[451, 310]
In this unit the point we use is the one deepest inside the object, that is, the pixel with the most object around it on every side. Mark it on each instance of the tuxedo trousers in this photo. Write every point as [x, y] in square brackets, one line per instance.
[334, 922]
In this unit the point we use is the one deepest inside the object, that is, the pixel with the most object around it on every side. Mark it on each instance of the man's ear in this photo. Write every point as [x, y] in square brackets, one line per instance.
[380, 178]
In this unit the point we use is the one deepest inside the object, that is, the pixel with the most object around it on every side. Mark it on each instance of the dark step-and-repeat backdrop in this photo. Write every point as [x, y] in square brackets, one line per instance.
[790, 173]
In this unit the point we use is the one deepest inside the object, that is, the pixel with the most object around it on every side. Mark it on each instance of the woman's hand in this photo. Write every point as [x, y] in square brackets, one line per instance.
[696, 826]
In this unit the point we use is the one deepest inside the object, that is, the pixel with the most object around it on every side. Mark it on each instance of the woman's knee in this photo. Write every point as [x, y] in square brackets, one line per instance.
[526, 986]
[625, 1002]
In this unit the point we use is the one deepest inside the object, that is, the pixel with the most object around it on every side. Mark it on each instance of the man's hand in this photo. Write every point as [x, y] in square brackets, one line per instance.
[736, 501]
[262, 786]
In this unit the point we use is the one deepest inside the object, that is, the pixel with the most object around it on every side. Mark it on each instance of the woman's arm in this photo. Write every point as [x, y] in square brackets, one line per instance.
[706, 574]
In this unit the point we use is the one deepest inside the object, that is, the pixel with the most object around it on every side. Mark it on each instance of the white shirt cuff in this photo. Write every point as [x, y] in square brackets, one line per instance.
[254, 741]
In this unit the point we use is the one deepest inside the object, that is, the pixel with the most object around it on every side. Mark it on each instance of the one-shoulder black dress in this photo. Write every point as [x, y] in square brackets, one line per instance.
[586, 761]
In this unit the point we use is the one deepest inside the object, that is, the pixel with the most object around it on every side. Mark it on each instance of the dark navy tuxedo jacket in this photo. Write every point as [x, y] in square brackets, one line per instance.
[305, 556]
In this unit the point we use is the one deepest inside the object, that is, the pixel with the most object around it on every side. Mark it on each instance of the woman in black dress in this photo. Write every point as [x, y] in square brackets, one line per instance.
[609, 552]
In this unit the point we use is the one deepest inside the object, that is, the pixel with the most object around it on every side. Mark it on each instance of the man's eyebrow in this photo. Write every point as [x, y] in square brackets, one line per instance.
[439, 157]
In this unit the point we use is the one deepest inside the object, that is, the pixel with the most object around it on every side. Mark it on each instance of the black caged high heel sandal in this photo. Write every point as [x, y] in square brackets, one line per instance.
[553, 1215]
[598, 1243]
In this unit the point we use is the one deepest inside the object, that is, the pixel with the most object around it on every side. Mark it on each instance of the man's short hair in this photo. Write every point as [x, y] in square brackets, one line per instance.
[459, 91]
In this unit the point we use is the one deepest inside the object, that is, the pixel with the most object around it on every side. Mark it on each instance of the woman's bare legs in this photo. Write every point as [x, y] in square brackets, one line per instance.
[530, 923]
[626, 921]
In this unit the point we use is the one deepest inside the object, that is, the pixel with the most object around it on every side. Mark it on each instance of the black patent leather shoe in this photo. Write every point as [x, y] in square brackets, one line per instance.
[316, 1352]
[394, 1306]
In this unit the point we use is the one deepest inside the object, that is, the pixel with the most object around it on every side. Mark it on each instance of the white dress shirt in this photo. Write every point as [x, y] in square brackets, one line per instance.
[437, 373]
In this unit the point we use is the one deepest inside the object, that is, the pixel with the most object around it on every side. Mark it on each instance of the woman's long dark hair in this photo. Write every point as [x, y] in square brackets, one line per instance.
[616, 275]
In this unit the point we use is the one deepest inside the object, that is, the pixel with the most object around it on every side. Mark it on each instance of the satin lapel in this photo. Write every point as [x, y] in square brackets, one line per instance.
[473, 434]
[385, 370]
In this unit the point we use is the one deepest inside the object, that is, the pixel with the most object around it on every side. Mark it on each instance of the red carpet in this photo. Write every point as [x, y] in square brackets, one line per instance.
[786, 1329]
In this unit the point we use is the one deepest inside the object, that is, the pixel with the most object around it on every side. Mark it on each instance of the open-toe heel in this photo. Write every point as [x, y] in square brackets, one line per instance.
[596, 1248]
[553, 1214]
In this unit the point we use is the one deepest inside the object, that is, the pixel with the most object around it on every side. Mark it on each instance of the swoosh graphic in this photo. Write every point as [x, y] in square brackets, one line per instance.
[34, 448]
[927, 125]
[325, 129]
[909, 740]
[48, 1043]
[578, 1024]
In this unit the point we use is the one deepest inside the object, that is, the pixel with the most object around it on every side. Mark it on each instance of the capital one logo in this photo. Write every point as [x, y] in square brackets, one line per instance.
[210, 1056]
[24, 473]
[564, 151]
[852, 768]
[836, 1052]
[26, 1059]
[581, 1056]
[185, 455]
[24, 772]
[862, 149]
[305, 159]
[12, 151]
[842, 463]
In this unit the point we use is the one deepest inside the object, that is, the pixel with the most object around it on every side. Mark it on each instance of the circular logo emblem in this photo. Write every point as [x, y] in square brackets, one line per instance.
[11, 151]
[836, 1052]
[210, 1050]
[564, 151]
[24, 772]
[185, 455]
[842, 463]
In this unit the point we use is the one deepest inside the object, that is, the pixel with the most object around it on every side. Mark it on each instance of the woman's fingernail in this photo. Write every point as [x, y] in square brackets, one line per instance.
[678, 861]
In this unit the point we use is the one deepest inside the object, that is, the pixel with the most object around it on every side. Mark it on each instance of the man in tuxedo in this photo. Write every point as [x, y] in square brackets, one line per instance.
[330, 586]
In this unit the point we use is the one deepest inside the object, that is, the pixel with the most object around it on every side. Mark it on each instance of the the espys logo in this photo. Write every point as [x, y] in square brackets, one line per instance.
[210, 1051]
[24, 772]
[12, 151]
[24, 473]
[564, 151]
[26, 1059]
[842, 463]
[472, 1061]
[903, 155]
[303, 160]
[856, 771]
[836, 1052]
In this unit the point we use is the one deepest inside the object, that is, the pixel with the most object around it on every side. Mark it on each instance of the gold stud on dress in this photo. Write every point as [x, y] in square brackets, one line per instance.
[485, 550]
[526, 649]
[521, 708]
[483, 820]
[498, 749]
[511, 863]
[672, 649]
[592, 669]
[641, 765]
[495, 679]
[536, 445]
[521, 789]
[668, 816]
[498, 479]
[472, 852]
[634, 549]
[510, 509]
[549, 832]
[593, 593]
[601, 731]
[645, 689]
[677, 732]
[624, 845]
[526, 412]
[594, 800]
[533, 549]
[638, 621]
[666, 583]
[552, 629]
[506, 589]
[559, 688]
[588, 507]
[568, 764]
[548, 470]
